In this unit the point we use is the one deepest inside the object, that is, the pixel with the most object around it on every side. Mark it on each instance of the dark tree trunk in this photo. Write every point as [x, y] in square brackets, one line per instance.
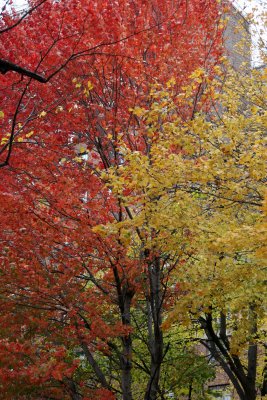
[190, 391]
[252, 356]
[243, 380]
[72, 390]
[97, 370]
[126, 359]
[125, 295]
[156, 336]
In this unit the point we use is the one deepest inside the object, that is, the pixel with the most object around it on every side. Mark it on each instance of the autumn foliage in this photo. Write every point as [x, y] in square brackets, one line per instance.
[110, 188]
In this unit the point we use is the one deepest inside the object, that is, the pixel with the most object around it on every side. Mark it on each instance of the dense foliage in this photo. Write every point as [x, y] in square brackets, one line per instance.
[132, 196]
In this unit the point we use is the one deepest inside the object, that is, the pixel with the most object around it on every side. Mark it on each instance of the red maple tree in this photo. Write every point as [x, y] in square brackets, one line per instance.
[68, 292]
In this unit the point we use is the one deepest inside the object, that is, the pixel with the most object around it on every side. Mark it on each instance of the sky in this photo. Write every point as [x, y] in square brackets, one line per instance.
[251, 3]
[258, 30]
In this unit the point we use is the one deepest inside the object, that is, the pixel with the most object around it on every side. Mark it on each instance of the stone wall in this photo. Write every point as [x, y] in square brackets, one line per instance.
[237, 39]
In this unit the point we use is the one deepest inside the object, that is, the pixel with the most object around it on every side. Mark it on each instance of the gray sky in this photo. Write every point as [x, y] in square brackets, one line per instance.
[259, 30]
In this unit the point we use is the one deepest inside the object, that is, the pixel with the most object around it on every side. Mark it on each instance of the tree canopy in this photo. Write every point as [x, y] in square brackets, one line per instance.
[132, 202]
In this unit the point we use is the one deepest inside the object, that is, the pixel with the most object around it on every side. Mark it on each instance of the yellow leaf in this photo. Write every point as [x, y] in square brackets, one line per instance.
[29, 134]
[90, 85]
[2, 114]
[171, 82]
[4, 140]
[138, 111]
[78, 159]
[43, 114]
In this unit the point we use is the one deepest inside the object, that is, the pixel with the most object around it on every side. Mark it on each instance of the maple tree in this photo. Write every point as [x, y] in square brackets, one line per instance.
[197, 197]
[222, 280]
[104, 190]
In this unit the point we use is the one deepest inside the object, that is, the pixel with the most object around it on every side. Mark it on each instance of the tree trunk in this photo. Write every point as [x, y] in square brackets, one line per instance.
[156, 341]
[244, 383]
[190, 391]
[72, 390]
[126, 359]
[252, 357]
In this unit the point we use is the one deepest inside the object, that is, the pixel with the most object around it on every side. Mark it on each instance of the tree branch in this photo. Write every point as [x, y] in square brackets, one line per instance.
[6, 66]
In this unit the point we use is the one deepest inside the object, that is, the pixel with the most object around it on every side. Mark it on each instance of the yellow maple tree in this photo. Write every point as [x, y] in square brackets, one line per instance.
[196, 197]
